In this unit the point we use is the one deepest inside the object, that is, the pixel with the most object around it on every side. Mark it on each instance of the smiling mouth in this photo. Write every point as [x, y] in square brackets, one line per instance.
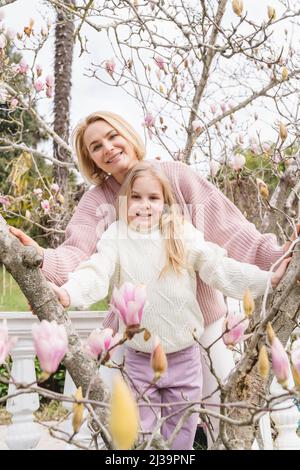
[139, 214]
[115, 156]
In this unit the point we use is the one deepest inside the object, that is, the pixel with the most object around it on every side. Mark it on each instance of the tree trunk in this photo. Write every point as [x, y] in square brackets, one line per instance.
[64, 44]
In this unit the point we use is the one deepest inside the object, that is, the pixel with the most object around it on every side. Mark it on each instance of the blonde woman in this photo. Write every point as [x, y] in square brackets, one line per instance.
[107, 148]
[151, 244]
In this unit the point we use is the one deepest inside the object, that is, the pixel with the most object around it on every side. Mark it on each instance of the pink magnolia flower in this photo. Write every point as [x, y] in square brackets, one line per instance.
[4, 200]
[110, 66]
[149, 120]
[213, 108]
[100, 341]
[23, 67]
[197, 125]
[160, 63]
[266, 147]
[54, 187]
[38, 192]
[223, 107]
[49, 80]
[45, 206]
[280, 362]
[51, 344]
[236, 324]
[39, 70]
[129, 302]
[237, 162]
[254, 148]
[10, 33]
[38, 86]
[6, 343]
[14, 103]
[49, 91]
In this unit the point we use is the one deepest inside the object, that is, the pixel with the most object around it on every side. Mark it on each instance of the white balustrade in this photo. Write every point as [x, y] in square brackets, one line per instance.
[23, 433]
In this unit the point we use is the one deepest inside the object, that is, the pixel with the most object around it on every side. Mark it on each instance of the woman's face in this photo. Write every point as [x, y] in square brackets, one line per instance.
[110, 151]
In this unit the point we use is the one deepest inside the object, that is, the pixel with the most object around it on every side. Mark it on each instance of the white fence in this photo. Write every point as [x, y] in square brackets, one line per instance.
[24, 433]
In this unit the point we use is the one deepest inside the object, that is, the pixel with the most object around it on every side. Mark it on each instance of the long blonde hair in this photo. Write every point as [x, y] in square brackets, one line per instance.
[87, 166]
[171, 223]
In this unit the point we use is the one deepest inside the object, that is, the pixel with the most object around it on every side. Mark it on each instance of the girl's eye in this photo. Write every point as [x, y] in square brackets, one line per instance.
[135, 196]
[114, 135]
[153, 197]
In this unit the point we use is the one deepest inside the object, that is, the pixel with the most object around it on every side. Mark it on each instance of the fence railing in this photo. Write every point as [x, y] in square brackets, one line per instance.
[23, 432]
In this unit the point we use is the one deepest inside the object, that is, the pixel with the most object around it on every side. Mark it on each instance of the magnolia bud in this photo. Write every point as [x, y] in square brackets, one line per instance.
[159, 361]
[147, 334]
[296, 376]
[284, 73]
[237, 6]
[161, 88]
[124, 422]
[78, 409]
[248, 303]
[283, 131]
[271, 13]
[270, 333]
[263, 188]
[263, 363]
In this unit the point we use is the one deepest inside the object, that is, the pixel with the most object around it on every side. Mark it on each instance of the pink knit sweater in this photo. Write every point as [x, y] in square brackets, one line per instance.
[210, 211]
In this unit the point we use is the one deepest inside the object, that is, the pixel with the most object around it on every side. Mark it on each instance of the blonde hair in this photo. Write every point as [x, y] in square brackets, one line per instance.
[87, 166]
[171, 223]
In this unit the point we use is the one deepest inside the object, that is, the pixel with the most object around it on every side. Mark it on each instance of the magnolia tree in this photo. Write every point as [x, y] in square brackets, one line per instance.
[217, 89]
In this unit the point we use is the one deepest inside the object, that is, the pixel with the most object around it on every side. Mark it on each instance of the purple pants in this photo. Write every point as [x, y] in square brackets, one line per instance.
[182, 382]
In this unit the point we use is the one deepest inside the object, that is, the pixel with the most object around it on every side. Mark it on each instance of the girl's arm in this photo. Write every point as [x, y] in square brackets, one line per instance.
[220, 272]
[90, 282]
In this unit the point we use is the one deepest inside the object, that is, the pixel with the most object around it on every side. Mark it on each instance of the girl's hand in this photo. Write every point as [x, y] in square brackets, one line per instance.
[61, 294]
[278, 274]
[25, 239]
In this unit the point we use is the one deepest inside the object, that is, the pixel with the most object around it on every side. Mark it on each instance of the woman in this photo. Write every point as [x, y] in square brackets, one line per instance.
[107, 148]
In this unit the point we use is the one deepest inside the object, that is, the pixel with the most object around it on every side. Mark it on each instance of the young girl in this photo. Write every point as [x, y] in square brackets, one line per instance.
[150, 243]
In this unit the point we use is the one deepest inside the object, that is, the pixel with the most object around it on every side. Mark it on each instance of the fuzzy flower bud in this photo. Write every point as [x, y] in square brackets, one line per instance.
[110, 66]
[284, 73]
[263, 363]
[124, 420]
[237, 6]
[197, 126]
[78, 411]
[38, 86]
[159, 361]
[263, 188]
[283, 131]
[248, 303]
[271, 13]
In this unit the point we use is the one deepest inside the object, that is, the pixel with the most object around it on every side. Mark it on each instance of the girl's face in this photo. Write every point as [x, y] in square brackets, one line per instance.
[110, 151]
[146, 202]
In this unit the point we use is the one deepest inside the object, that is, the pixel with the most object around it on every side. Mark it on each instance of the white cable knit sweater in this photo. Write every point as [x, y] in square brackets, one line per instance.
[172, 311]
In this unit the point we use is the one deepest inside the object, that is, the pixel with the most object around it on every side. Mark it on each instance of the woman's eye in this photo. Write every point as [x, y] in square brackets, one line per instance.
[97, 147]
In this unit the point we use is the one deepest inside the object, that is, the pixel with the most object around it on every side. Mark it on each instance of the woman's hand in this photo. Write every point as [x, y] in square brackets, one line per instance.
[61, 294]
[278, 274]
[25, 239]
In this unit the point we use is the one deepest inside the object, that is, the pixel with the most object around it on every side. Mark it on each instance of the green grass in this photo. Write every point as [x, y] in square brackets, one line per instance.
[13, 300]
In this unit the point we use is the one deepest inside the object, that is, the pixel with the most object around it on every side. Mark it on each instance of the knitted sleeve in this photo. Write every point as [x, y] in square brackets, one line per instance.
[222, 223]
[91, 218]
[229, 276]
[90, 282]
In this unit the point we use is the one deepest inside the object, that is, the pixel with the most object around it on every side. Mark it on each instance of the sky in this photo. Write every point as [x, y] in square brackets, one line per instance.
[88, 95]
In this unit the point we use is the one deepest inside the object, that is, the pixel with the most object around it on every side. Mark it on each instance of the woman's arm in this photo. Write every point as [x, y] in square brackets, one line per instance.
[221, 221]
